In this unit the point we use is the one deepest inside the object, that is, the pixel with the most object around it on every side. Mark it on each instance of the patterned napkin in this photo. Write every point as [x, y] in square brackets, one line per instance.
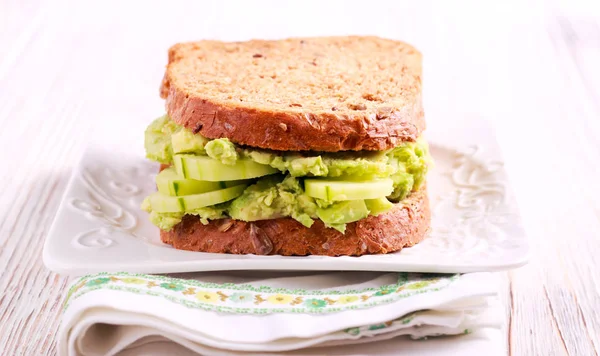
[262, 312]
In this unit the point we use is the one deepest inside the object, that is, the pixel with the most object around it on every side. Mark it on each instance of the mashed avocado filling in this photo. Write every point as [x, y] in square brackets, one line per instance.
[283, 194]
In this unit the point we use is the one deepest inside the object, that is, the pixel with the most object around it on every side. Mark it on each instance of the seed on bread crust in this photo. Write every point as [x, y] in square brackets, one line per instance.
[260, 240]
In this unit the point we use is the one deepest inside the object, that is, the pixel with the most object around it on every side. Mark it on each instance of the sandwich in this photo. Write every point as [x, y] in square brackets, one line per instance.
[295, 147]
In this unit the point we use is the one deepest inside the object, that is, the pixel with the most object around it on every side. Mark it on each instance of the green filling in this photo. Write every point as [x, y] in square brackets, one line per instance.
[158, 139]
[283, 195]
[222, 150]
[166, 221]
[184, 141]
[273, 197]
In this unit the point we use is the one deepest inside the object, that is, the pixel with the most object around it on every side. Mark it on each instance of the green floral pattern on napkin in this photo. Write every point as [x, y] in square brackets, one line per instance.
[259, 299]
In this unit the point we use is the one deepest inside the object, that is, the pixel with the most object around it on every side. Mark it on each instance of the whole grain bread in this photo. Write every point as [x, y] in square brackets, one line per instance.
[322, 94]
[405, 225]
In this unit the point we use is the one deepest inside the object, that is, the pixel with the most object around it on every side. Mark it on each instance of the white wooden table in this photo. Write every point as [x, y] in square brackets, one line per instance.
[74, 72]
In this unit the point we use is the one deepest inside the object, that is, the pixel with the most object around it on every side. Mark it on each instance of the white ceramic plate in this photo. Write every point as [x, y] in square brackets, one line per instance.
[476, 226]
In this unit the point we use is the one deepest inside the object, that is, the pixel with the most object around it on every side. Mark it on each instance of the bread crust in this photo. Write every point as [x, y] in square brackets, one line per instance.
[295, 129]
[405, 225]
[290, 131]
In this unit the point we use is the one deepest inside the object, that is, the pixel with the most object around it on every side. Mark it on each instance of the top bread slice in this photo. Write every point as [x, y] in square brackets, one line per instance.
[298, 94]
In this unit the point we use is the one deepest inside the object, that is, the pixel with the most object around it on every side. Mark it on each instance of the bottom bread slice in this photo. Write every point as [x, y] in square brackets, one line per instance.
[405, 225]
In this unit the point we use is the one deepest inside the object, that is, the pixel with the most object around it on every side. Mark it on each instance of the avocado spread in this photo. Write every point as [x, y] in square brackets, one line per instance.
[282, 194]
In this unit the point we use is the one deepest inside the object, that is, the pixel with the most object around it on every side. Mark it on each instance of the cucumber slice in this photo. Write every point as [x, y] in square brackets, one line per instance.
[161, 203]
[233, 183]
[379, 205]
[169, 182]
[336, 190]
[206, 168]
[343, 212]
[185, 141]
